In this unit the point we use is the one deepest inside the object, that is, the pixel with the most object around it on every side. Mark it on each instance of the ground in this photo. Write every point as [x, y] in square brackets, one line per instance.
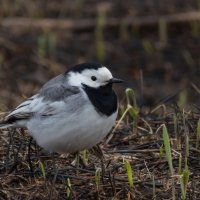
[147, 44]
[139, 143]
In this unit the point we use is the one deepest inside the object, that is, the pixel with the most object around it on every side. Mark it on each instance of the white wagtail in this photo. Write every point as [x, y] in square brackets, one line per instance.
[72, 111]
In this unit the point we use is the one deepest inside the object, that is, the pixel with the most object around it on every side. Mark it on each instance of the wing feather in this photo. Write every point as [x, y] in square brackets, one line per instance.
[48, 102]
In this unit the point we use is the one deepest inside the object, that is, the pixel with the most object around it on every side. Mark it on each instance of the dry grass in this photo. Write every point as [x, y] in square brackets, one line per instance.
[151, 174]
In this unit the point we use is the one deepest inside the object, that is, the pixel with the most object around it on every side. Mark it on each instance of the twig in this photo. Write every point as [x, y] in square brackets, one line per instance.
[85, 24]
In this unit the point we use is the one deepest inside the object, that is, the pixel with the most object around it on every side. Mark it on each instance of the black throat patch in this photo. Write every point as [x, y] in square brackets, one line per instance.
[103, 98]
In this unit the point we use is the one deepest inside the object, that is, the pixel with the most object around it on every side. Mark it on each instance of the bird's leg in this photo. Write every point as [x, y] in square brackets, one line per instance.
[55, 170]
[11, 144]
[76, 162]
[79, 161]
[8, 151]
[99, 153]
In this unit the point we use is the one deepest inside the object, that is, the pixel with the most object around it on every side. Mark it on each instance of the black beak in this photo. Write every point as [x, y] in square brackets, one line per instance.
[115, 80]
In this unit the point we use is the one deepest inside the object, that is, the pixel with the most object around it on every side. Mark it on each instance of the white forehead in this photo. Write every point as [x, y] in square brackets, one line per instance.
[102, 74]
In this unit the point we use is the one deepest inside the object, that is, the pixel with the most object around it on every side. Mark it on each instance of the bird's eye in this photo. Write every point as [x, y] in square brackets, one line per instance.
[94, 78]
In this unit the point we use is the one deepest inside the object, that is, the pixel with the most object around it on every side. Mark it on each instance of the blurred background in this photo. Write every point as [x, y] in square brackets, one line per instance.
[153, 45]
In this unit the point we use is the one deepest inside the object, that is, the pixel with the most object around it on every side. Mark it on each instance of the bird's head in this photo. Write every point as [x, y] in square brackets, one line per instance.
[93, 75]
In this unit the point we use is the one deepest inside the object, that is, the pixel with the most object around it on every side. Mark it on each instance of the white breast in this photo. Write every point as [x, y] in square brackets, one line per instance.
[66, 133]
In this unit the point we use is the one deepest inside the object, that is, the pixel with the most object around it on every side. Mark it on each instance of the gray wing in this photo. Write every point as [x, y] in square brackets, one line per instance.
[60, 79]
[58, 92]
[57, 89]
[48, 102]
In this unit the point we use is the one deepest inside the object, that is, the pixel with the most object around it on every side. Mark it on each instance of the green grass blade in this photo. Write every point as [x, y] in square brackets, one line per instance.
[129, 173]
[184, 179]
[97, 177]
[182, 99]
[130, 97]
[129, 93]
[133, 113]
[85, 160]
[167, 148]
[68, 188]
[187, 149]
[41, 166]
[180, 164]
[99, 35]
[161, 151]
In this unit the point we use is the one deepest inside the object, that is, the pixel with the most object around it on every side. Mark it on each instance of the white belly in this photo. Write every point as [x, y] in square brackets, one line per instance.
[65, 133]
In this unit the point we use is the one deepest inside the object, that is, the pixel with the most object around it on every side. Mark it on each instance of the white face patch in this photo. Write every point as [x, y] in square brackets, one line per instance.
[85, 77]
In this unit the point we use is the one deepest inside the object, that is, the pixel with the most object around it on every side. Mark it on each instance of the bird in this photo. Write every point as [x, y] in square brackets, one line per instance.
[71, 112]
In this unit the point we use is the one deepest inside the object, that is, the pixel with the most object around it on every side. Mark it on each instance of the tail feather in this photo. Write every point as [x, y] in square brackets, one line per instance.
[16, 120]
[4, 124]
